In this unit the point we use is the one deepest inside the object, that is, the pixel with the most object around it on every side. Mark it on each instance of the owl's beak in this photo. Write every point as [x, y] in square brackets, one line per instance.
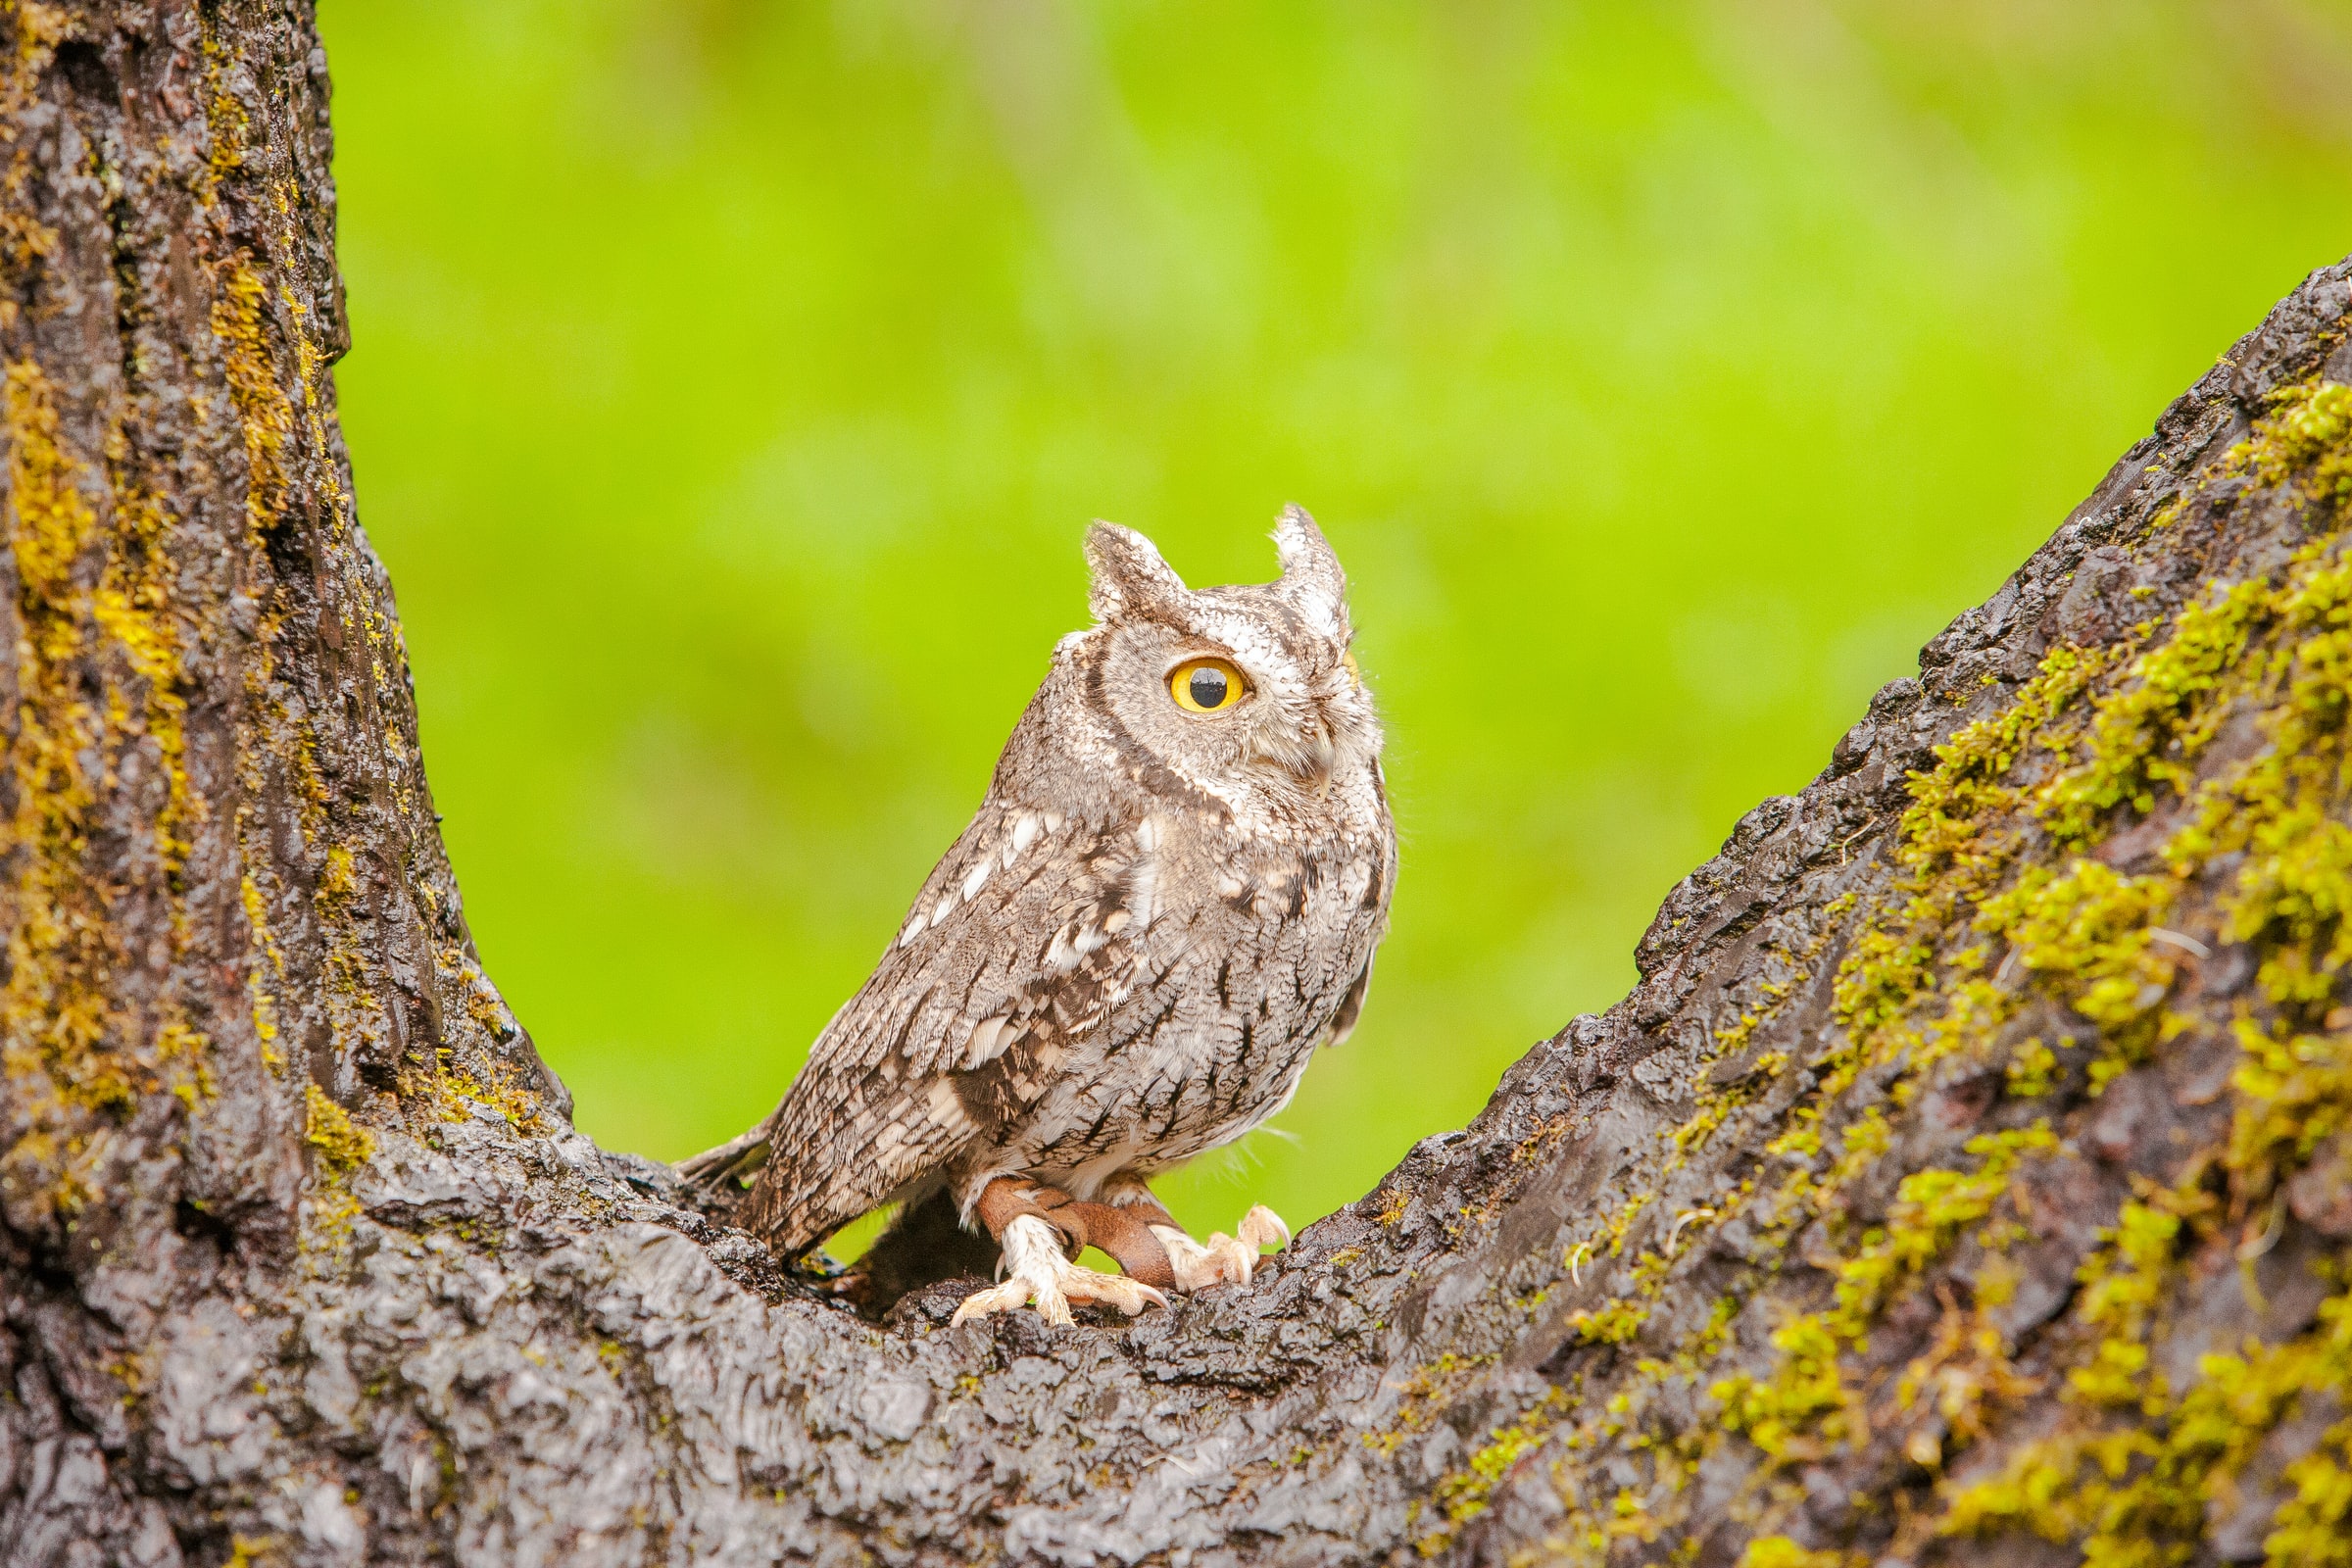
[1311, 764]
[1308, 757]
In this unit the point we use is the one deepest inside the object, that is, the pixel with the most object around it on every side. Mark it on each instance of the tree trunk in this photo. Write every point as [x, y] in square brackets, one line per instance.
[1969, 1178]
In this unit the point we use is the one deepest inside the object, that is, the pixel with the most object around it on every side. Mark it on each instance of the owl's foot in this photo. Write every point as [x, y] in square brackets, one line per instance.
[1222, 1260]
[1037, 1272]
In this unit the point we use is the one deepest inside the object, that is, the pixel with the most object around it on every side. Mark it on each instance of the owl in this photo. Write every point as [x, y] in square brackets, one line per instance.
[1169, 898]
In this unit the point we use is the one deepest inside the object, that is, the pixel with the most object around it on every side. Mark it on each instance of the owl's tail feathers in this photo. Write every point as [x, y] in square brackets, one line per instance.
[736, 1161]
[741, 1184]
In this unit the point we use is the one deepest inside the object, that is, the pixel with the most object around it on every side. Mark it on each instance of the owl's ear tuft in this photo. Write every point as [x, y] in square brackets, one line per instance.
[1128, 573]
[1311, 578]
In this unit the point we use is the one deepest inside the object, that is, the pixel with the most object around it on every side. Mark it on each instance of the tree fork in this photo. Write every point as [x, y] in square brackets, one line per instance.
[1971, 1168]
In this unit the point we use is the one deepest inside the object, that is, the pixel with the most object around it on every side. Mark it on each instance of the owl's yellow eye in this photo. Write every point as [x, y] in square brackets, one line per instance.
[1207, 685]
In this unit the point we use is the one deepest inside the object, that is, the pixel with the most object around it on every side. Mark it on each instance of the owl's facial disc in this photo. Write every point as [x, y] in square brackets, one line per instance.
[1248, 692]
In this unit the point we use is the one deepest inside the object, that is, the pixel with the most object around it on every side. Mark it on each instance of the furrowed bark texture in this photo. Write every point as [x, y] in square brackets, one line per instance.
[1968, 1180]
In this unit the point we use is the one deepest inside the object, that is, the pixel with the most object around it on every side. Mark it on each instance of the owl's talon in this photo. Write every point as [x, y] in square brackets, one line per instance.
[1262, 1228]
[1222, 1260]
[1039, 1273]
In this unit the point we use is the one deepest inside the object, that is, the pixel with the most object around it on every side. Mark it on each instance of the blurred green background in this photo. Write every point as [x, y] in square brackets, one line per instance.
[733, 381]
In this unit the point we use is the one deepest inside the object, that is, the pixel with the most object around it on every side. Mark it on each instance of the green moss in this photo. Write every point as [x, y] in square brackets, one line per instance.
[1463, 1494]
[2031, 1070]
[1932, 1208]
[2305, 443]
[342, 1146]
[2140, 1493]
[2151, 732]
[51, 523]
[264, 1002]
[1803, 1399]
[1419, 1396]
[54, 1003]
[1613, 1324]
[1971, 785]
[131, 607]
[2093, 735]
[2130, 1474]
[2294, 1091]
[2096, 929]
[1804, 1403]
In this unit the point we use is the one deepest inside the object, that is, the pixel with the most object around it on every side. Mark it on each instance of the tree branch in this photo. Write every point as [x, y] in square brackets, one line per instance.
[1969, 1169]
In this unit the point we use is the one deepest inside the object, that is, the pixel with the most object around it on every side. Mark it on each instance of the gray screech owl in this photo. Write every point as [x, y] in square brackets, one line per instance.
[1169, 898]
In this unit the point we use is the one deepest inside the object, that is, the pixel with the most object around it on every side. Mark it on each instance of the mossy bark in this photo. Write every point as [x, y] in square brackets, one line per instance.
[1969, 1179]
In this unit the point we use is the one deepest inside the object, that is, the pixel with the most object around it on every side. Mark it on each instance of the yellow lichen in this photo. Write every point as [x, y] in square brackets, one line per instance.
[90, 606]
[1778, 1551]
[265, 415]
[447, 1093]
[23, 238]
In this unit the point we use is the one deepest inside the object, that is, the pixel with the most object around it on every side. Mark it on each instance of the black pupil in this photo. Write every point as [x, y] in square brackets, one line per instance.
[1209, 687]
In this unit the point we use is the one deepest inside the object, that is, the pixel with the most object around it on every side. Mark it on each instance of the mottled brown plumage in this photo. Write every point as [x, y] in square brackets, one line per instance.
[1131, 954]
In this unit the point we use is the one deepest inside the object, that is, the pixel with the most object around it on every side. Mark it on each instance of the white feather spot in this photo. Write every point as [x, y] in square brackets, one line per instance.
[1026, 829]
[987, 1042]
[939, 915]
[914, 928]
[1143, 892]
[1070, 947]
[971, 884]
[945, 1106]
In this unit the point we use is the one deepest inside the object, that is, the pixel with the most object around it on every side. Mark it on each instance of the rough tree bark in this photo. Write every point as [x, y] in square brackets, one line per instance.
[1967, 1179]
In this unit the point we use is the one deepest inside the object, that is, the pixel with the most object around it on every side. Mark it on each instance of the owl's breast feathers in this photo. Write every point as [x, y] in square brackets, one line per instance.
[1053, 963]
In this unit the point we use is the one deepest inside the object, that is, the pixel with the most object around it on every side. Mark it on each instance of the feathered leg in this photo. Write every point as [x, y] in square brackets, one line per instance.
[1038, 1228]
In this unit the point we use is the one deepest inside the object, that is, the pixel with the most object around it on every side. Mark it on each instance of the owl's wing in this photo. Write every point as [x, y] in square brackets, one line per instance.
[1019, 945]
[1372, 913]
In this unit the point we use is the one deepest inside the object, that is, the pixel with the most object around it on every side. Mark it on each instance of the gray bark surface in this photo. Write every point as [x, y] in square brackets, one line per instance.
[301, 1260]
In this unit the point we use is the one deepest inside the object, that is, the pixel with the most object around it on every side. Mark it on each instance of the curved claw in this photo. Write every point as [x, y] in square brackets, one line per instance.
[1262, 1228]
[1037, 1272]
[1222, 1260]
